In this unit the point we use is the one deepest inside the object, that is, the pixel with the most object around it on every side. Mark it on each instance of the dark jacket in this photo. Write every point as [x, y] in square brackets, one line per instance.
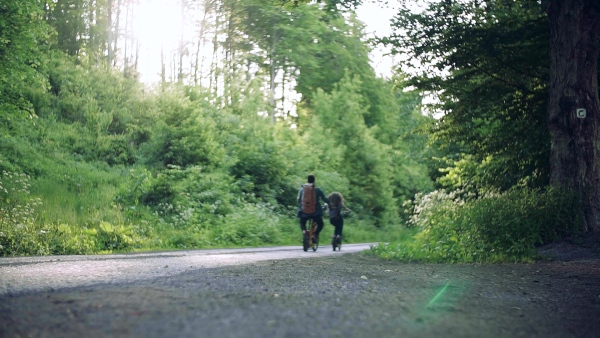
[333, 212]
[320, 196]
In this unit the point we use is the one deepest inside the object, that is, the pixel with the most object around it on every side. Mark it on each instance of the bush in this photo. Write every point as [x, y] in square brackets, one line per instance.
[252, 224]
[188, 239]
[493, 228]
[18, 232]
[112, 237]
[65, 239]
[185, 134]
[146, 188]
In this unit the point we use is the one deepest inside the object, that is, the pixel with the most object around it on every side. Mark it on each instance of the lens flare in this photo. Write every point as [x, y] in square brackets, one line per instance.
[435, 298]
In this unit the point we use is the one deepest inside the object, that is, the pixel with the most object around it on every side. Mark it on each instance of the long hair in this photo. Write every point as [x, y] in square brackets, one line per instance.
[336, 199]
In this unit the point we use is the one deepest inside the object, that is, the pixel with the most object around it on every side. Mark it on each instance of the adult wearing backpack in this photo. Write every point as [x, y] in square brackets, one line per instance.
[309, 206]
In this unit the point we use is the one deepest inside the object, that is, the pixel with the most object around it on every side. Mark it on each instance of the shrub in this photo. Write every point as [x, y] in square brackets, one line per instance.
[66, 239]
[18, 232]
[252, 224]
[188, 239]
[146, 188]
[185, 134]
[492, 228]
[112, 237]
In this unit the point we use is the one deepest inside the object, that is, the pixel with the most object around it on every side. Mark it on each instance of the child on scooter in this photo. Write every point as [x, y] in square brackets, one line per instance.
[334, 211]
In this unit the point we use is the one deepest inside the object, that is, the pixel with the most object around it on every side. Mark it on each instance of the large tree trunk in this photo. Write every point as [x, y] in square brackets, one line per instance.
[574, 51]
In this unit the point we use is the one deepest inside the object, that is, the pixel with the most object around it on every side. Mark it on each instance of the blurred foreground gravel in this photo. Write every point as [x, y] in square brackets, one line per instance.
[321, 294]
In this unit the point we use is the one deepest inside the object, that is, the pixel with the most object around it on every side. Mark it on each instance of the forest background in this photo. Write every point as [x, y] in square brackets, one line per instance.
[252, 96]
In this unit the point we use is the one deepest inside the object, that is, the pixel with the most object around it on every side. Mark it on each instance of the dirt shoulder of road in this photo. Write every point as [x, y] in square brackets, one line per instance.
[585, 247]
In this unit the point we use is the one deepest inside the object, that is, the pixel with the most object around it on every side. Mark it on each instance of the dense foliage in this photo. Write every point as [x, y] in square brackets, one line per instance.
[22, 40]
[92, 160]
[110, 164]
[488, 63]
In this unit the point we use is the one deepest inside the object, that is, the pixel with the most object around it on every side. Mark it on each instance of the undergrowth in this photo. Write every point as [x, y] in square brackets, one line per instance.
[501, 227]
[136, 211]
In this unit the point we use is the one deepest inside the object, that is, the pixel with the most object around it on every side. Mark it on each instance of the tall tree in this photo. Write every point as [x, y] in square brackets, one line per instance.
[116, 30]
[182, 43]
[98, 19]
[487, 64]
[207, 9]
[340, 115]
[110, 33]
[573, 30]
[68, 19]
[264, 22]
[574, 52]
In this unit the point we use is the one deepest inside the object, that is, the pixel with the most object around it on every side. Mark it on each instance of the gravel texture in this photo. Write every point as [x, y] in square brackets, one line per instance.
[310, 295]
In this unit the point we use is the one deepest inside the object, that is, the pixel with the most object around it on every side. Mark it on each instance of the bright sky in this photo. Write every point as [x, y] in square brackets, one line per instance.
[377, 21]
[158, 26]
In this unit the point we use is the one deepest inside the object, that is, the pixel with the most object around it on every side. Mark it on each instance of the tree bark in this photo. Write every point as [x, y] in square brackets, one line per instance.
[574, 52]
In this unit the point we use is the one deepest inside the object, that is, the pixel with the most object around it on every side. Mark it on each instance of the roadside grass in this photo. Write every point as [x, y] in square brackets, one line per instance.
[72, 198]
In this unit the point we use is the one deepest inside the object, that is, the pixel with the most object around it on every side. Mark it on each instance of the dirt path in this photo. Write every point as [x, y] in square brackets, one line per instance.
[332, 296]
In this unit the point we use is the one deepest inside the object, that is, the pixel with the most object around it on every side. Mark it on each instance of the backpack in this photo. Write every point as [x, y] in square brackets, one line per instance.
[309, 199]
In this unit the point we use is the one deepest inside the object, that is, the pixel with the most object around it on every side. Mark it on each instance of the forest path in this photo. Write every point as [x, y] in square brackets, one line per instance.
[285, 292]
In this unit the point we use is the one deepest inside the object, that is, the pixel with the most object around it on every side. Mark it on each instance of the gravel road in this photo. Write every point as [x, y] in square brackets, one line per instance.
[285, 292]
[49, 273]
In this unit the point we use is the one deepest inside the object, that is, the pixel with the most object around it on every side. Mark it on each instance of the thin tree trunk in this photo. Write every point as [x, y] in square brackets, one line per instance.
[180, 72]
[272, 73]
[196, 64]
[125, 39]
[163, 79]
[110, 33]
[101, 35]
[283, 82]
[201, 42]
[93, 39]
[99, 19]
[574, 51]
[229, 55]
[116, 35]
[213, 64]
[137, 59]
[174, 66]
